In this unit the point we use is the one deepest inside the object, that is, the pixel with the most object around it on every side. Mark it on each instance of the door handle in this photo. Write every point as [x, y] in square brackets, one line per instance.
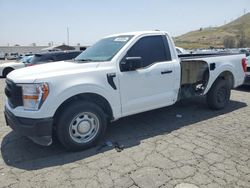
[166, 72]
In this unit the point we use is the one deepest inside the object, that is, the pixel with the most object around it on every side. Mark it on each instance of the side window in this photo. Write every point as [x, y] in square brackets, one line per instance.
[151, 49]
[73, 55]
[41, 59]
[64, 56]
[166, 43]
[49, 58]
[61, 56]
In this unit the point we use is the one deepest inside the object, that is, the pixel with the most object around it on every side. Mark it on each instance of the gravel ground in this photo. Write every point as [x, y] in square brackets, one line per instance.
[185, 145]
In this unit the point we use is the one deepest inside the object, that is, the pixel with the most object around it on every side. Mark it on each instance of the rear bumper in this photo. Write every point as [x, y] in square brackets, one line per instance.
[28, 126]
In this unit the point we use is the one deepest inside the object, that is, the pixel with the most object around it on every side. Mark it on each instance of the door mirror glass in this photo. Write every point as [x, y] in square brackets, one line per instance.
[130, 64]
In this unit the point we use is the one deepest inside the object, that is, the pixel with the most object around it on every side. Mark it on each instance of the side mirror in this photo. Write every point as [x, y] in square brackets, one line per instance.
[130, 64]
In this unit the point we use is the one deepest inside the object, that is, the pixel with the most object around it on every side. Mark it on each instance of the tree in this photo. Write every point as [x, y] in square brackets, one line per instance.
[242, 42]
[229, 42]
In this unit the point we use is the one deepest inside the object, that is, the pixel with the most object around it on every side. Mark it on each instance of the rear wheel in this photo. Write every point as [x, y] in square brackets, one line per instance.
[81, 125]
[219, 94]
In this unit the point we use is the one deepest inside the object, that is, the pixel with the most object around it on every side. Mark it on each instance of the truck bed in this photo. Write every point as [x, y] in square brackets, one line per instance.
[197, 70]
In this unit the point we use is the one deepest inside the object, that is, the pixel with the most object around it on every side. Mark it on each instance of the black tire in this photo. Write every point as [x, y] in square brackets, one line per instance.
[219, 94]
[6, 71]
[65, 132]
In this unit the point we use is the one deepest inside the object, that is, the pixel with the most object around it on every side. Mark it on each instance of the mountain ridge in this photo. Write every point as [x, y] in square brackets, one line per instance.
[230, 35]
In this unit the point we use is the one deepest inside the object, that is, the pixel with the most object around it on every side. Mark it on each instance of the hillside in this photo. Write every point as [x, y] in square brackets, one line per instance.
[233, 34]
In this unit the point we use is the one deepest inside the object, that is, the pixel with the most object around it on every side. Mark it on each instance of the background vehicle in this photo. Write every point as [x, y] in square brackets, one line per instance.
[2, 56]
[181, 50]
[247, 78]
[119, 76]
[48, 57]
[36, 59]
[12, 56]
[245, 51]
[6, 68]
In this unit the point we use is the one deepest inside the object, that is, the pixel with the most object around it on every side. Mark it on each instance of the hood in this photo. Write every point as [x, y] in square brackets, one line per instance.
[50, 70]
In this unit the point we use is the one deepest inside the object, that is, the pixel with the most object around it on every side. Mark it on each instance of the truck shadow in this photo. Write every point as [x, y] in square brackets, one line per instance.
[20, 152]
[244, 88]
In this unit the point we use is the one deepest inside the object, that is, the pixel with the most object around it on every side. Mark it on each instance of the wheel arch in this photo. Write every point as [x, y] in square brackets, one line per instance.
[227, 75]
[92, 97]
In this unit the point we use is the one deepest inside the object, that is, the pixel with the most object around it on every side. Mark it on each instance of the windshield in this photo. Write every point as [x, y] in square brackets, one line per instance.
[105, 49]
[26, 59]
[40, 58]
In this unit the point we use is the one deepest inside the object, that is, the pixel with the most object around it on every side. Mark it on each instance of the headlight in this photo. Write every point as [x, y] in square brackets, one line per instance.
[34, 95]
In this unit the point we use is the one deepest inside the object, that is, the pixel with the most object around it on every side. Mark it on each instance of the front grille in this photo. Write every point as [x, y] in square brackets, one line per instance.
[14, 94]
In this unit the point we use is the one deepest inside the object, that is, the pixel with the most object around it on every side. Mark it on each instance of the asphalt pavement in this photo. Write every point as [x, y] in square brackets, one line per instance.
[183, 146]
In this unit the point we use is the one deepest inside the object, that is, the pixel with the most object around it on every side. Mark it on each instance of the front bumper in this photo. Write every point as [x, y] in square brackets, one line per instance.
[36, 129]
[247, 80]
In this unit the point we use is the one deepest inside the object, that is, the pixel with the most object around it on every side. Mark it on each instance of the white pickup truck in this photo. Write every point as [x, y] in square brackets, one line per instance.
[120, 75]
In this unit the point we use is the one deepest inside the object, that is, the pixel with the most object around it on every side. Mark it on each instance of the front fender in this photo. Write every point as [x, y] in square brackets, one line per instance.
[59, 97]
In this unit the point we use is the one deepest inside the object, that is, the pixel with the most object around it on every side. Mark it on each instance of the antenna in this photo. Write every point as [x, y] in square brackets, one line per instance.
[68, 35]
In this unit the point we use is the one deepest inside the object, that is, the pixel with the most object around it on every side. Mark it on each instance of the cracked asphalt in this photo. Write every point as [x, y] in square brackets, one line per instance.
[183, 146]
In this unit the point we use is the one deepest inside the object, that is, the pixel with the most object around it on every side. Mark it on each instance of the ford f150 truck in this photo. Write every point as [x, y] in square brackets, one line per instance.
[120, 75]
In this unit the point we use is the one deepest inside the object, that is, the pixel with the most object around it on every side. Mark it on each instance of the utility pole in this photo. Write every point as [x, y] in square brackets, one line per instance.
[68, 35]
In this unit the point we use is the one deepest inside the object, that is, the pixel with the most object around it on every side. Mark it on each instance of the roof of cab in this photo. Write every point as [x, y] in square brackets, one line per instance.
[138, 33]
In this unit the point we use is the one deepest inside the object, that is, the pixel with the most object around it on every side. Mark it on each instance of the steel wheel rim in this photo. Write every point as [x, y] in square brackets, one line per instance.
[84, 127]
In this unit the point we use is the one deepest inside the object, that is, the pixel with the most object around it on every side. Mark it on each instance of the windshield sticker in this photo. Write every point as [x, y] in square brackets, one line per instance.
[121, 39]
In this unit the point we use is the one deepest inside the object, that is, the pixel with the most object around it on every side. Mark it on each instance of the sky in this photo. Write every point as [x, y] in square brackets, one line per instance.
[25, 22]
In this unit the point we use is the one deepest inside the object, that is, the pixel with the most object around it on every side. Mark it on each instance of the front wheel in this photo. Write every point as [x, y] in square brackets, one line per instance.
[219, 94]
[6, 71]
[81, 125]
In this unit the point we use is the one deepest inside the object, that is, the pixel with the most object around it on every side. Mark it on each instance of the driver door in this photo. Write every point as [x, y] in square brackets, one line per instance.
[152, 85]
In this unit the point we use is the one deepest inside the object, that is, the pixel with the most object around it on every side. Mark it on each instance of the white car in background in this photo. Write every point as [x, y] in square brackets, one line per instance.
[6, 68]
[36, 59]
[2, 55]
[181, 50]
[12, 56]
